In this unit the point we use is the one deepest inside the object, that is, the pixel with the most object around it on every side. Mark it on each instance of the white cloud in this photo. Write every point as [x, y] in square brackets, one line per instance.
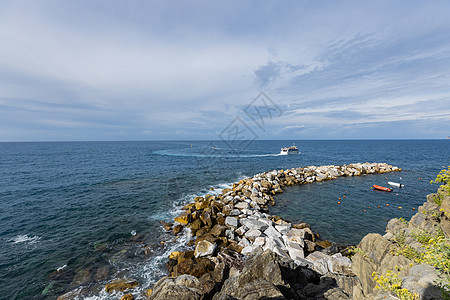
[160, 68]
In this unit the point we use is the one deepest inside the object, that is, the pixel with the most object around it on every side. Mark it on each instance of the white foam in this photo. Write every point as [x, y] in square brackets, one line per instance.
[213, 155]
[25, 239]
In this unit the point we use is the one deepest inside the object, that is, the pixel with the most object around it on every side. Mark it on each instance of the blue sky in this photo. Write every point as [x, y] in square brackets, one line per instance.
[167, 70]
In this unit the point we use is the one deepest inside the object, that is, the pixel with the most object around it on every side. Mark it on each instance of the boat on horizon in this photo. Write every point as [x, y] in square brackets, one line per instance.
[289, 150]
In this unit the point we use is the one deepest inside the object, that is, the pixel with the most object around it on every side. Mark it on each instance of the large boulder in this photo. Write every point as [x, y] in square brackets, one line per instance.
[264, 276]
[204, 248]
[121, 285]
[184, 287]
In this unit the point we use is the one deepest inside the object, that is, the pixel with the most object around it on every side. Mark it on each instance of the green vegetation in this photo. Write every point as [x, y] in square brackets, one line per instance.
[435, 251]
[392, 283]
[443, 177]
[356, 250]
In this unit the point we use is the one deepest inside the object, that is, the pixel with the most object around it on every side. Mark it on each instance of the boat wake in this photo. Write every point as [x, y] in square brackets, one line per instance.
[213, 154]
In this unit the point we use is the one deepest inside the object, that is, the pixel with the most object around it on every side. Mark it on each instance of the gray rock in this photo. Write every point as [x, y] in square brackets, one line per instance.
[231, 221]
[260, 241]
[183, 287]
[252, 234]
[422, 280]
[265, 276]
[254, 224]
[283, 229]
[320, 262]
[235, 212]
[266, 221]
[293, 239]
[244, 243]
[241, 205]
[339, 264]
[295, 251]
[272, 232]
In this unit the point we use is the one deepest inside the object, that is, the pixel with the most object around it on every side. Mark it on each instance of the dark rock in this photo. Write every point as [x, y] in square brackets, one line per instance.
[184, 218]
[218, 230]
[185, 287]
[177, 229]
[324, 244]
[121, 285]
[127, 297]
[196, 268]
[102, 273]
[82, 277]
[265, 275]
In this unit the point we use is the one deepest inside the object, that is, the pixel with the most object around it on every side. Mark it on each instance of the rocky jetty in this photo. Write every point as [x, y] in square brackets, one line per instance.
[242, 252]
[239, 251]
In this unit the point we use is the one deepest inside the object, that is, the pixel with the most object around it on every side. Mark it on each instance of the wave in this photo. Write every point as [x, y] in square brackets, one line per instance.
[25, 239]
[212, 155]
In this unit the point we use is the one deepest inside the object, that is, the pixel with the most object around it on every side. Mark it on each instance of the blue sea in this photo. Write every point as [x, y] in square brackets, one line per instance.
[83, 213]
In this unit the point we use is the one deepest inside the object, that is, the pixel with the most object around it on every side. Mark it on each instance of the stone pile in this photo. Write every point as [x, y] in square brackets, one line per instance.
[229, 227]
[235, 223]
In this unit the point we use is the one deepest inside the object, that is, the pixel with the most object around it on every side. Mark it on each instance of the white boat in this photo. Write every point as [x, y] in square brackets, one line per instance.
[289, 150]
[396, 184]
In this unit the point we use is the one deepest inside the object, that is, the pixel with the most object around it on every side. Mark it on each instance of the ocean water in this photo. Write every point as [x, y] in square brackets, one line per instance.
[82, 213]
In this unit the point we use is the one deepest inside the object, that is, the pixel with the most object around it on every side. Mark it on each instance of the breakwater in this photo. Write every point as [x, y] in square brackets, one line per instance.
[234, 225]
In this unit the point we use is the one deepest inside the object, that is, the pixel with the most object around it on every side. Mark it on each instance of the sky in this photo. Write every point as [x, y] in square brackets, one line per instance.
[89, 70]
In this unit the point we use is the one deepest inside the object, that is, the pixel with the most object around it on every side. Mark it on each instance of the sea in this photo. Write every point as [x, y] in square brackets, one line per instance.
[80, 214]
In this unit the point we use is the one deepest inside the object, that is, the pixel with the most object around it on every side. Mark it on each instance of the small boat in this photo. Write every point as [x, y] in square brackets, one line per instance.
[382, 188]
[399, 185]
[289, 150]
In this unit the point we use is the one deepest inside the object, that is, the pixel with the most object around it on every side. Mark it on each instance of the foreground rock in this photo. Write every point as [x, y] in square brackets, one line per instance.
[395, 252]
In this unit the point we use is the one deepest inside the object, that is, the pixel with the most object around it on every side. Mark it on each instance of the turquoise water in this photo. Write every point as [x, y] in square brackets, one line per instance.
[92, 209]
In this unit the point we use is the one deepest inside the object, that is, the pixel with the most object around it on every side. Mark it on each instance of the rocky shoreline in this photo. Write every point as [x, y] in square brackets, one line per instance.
[239, 251]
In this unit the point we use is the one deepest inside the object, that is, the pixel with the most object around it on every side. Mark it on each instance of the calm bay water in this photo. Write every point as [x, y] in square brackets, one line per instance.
[92, 209]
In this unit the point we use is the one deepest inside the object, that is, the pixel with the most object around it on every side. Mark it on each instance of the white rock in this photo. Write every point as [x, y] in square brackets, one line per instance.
[283, 229]
[259, 241]
[247, 200]
[271, 243]
[244, 242]
[280, 252]
[320, 262]
[241, 230]
[204, 248]
[295, 251]
[259, 214]
[266, 221]
[247, 250]
[294, 239]
[241, 205]
[254, 224]
[339, 264]
[228, 198]
[252, 234]
[235, 212]
[272, 232]
[231, 221]
[255, 205]
[247, 212]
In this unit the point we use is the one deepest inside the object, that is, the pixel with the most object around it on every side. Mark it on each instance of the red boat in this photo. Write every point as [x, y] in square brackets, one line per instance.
[382, 188]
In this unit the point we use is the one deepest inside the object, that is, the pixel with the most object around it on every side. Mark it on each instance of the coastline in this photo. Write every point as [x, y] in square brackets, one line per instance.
[235, 223]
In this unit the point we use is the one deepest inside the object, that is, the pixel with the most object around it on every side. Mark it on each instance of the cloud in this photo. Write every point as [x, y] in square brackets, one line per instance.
[147, 69]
